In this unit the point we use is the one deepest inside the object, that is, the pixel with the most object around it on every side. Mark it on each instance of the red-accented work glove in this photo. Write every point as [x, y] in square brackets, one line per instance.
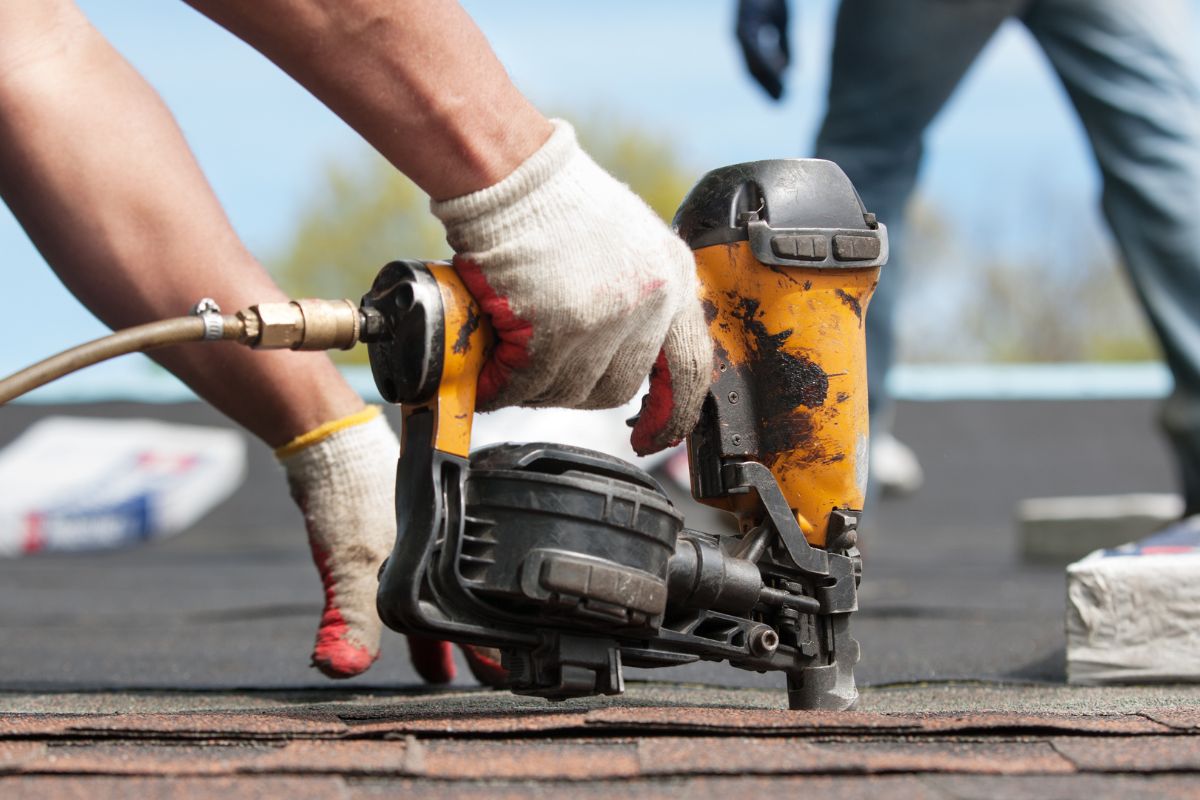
[588, 292]
[342, 475]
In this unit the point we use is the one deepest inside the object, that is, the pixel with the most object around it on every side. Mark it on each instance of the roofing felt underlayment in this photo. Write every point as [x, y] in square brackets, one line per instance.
[180, 668]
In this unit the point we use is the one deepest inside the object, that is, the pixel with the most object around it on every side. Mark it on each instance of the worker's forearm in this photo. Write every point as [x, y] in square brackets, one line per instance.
[415, 77]
[95, 169]
[98, 174]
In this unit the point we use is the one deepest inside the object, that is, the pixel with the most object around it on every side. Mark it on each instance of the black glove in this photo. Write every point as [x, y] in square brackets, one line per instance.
[762, 30]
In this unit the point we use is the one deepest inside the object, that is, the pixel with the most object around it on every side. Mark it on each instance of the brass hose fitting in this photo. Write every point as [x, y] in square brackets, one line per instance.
[301, 325]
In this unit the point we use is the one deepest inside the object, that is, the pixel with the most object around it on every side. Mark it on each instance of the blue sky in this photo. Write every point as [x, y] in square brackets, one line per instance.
[670, 66]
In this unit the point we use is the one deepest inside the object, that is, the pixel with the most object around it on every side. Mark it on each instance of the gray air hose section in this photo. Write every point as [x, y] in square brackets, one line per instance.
[307, 324]
[131, 340]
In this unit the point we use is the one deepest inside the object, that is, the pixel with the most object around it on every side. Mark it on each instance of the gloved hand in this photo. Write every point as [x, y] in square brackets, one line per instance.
[342, 476]
[762, 30]
[586, 289]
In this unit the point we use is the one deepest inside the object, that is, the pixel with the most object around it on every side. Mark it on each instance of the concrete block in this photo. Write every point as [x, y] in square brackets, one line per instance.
[1059, 530]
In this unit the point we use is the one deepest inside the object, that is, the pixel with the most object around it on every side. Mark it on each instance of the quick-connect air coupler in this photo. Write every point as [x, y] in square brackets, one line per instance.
[307, 324]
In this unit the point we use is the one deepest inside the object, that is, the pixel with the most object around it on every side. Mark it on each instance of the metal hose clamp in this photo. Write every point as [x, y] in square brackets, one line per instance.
[214, 324]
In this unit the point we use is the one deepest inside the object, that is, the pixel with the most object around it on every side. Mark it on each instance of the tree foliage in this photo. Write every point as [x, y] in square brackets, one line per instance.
[362, 215]
[983, 303]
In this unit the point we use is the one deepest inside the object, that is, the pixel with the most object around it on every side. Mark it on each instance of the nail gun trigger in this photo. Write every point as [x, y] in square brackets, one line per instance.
[632, 421]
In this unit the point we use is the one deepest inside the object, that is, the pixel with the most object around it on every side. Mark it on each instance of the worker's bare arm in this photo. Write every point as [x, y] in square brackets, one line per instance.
[415, 77]
[95, 169]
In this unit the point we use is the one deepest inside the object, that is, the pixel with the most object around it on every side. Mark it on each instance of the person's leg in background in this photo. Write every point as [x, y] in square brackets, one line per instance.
[1129, 72]
[95, 169]
[894, 66]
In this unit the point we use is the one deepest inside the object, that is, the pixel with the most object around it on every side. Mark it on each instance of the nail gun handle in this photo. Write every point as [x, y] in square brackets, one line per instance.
[467, 342]
[434, 343]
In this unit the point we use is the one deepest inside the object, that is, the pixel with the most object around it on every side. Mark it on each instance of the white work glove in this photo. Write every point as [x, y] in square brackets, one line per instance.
[587, 291]
[342, 476]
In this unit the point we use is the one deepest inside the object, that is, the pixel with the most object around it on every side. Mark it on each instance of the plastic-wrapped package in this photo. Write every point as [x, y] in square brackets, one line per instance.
[1133, 612]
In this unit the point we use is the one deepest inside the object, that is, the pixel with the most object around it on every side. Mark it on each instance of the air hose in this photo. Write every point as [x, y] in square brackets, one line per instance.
[294, 325]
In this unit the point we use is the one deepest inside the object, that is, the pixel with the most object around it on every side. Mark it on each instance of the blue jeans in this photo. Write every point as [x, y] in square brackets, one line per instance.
[1125, 67]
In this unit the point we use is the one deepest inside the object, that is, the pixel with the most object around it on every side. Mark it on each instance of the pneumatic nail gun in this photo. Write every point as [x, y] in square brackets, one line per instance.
[574, 563]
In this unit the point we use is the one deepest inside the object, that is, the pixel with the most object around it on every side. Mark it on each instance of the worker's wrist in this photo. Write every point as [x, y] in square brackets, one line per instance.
[326, 430]
[488, 152]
